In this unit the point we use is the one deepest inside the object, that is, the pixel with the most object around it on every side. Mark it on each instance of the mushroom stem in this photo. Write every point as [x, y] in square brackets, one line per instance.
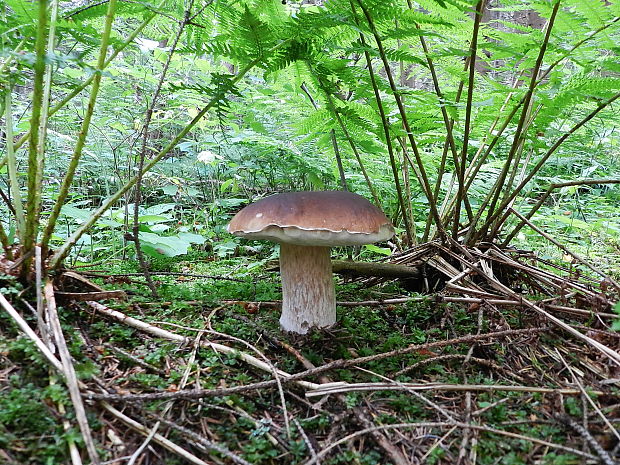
[308, 293]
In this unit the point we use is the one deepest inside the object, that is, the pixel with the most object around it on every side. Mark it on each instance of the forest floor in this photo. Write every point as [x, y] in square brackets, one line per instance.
[205, 368]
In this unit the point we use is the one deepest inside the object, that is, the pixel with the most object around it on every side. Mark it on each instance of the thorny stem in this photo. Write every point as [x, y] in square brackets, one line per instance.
[62, 252]
[12, 168]
[32, 215]
[81, 140]
[35, 197]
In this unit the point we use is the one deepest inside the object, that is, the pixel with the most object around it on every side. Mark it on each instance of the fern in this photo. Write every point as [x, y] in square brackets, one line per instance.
[98, 10]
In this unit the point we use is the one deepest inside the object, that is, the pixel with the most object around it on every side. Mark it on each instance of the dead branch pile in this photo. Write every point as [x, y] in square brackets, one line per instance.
[539, 334]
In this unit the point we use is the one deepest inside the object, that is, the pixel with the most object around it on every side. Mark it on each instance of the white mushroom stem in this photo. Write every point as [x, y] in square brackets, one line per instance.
[308, 293]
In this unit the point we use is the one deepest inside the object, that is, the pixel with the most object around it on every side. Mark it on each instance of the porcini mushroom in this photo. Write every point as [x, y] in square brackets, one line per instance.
[307, 224]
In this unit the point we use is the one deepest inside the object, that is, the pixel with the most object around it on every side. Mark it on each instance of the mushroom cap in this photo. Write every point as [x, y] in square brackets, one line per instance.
[317, 218]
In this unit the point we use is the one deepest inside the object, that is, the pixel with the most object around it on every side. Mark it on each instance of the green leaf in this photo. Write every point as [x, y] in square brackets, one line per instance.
[380, 250]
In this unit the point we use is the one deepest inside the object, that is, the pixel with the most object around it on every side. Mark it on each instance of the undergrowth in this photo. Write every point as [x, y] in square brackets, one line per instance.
[252, 425]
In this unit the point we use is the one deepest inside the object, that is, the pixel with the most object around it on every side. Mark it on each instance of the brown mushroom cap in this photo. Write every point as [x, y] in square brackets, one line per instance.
[319, 218]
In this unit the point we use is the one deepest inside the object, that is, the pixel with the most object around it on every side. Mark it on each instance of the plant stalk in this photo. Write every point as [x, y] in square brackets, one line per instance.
[403, 114]
[32, 215]
[144, 149]
[62, 251]
[81, 140]
[15, 190]
[71, 95]
[495, 193]
[461, 194]
[517, 190]
[35, 196]
[545, 196]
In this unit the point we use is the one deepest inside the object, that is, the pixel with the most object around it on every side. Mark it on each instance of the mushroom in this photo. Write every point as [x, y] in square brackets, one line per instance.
[307, 224]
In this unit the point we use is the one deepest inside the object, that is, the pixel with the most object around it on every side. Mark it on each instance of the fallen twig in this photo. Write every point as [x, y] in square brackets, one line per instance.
[336, 364]
[158, 438]
[565, 249]
[103, 274]
[209, 445]
[596, 447]
[159, 332]
[552, 445]
[493, 282]
[69, 373]
[372, 387]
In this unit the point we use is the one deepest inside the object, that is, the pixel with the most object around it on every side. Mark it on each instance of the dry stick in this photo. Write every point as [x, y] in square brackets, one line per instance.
[74, 452]
[545, 196]
[274, 370]
[605, 458]
[449, 424]
[23, 325]
[440, 358]
[437, 299]
[563, 248]
[466, 431]
[334, 365]
[158, 438]
[206, 443]
[159, 273]
[136, 360]
[158, 332]
[391, 450]
[416, 387]
[144, 445]
[613, 355]
[166, 408]
[437, 444]
[588, 397]
[69, 372]
[404, 386]
[547, 277]
[306, 440]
